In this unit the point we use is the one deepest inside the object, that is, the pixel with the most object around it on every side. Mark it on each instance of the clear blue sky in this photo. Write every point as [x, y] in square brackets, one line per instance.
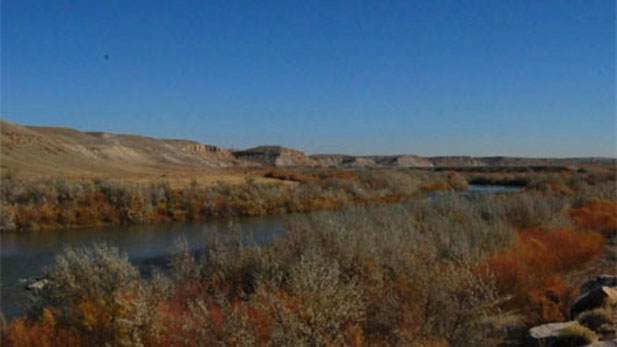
[529, 78]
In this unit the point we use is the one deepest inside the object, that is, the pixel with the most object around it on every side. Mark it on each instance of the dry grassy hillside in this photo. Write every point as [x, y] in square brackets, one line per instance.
[29, 152]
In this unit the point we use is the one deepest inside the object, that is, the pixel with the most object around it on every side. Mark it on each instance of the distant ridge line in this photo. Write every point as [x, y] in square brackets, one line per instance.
[61, 150]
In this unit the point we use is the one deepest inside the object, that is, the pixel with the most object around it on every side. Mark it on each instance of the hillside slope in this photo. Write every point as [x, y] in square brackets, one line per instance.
[69, 152]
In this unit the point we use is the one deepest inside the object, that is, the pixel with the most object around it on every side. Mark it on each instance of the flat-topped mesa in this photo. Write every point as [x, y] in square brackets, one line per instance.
[521, 161]
[277, 156]
[196, 147]
[501, 161]
[455, 161]
[342, 160]
[331, 160]
[360, 162]
[406, 160]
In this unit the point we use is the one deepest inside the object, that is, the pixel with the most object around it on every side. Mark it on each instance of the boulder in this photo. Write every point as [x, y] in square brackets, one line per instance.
[37, 285]
[550, 330]
[602, 280]
[594, 298]
[544, 335]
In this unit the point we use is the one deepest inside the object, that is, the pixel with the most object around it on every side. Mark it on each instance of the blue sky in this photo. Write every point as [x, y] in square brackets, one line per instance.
[528, 78]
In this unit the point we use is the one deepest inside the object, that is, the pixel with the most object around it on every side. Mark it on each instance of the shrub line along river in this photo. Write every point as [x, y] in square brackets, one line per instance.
[25, 253]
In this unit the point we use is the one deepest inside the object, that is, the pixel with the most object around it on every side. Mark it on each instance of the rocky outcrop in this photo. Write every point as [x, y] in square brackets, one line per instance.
[394, 161]
[276, 156]
[330, 160]
[196, 147]
[448, 162]
[456, 161]
[360, 162]
[410, 161]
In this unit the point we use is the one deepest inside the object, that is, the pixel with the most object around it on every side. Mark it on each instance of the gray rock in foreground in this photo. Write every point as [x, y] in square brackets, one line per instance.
[550, 330]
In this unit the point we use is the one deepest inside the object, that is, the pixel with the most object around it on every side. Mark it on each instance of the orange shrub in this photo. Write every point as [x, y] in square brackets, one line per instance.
[599, 215]
[435, 186]
[531, 270]
[561, 250]
[160, 214]
[43, 332]
[551, 301]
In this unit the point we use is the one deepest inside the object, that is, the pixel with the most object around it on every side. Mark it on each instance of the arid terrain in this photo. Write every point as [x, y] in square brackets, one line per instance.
[31, 152]
[378, 250]
[308, 173]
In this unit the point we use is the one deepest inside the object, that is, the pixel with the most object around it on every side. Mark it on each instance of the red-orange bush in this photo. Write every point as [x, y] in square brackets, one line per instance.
[561, 250]
[531, 269]
[598, 215]
[43, 332]
[435, 186]
[551, 301]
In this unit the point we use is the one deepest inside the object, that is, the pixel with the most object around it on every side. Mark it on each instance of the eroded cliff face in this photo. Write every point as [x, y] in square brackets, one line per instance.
[331, 160]
[197, 148]
[455, 161]
[341, 160]
[411, 161]
[275, 156]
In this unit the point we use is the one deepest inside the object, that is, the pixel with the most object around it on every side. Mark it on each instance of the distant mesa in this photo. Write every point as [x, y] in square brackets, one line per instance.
[275, 156]
[68, 152]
